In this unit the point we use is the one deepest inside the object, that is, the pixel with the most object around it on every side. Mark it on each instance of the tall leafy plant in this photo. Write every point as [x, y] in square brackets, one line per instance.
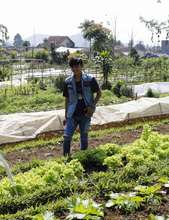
[3, 34]
[105, 61]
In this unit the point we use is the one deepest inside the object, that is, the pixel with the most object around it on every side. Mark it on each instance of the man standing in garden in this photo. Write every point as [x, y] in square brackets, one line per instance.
[80, 104]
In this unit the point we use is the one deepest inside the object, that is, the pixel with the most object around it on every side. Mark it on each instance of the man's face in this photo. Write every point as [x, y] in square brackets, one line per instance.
[76, 69]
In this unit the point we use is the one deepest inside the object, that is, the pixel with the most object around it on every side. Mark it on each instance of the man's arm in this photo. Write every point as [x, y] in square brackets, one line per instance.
[66, 95]
[91, 109]
[98, 95]
[95, 89]
[66, 105]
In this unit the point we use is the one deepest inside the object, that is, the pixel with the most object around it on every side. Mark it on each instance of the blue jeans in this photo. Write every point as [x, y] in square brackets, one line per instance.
[71, 125]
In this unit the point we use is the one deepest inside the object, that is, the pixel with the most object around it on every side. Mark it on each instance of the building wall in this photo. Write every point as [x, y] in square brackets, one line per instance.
[165, 46]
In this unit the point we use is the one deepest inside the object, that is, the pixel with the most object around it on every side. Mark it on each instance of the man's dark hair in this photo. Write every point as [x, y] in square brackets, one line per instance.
[74, 61]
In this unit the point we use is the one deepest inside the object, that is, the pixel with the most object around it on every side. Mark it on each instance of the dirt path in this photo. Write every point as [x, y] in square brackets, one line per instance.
[123, 137]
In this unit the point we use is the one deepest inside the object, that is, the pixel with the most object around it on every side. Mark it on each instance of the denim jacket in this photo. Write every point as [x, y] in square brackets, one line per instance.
[86, 92]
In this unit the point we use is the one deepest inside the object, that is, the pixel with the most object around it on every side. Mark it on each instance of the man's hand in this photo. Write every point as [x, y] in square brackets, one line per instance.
[64, 122]
[89, 111]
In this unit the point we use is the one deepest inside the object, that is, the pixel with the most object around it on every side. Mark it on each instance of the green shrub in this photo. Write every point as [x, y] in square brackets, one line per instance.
[113, 162]
[59, 82]
[44, 55]
[152, 94]
[91, 159]
[126, 91]
[117, 88]
[106, 85]
[110, 149]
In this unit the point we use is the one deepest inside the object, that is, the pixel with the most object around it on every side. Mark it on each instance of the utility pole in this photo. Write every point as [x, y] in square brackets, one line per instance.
[131, 42]
[114, 37]
[113, 27]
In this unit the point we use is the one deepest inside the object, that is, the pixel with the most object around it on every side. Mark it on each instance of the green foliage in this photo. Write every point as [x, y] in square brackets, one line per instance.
[79, 54]
[97, 33]
[42, 54]
[158, 217]
[3, 34]
[18, 40]
[13, 54]
[106, 85]
[28, 99]
[137, 179]
[104, 182]
[91, 159]
[155, 28]
[150, 93]
[29, 213]
[146, 132]
[135, 56]
[113, 162]
[132, 201]
[147, 190]
[26, 44]
[110, 149]
[47, 182]
[84, 209]
[5, 71]
[126, 91]
[122, 89]
[108, 97]
[117, 88]
[58, 57]
[46, 216]
[105, 61]
[59, 82]
[128, 202]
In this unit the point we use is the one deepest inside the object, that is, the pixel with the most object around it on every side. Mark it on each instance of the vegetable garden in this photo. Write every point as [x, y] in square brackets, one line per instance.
[123, 175]
[44, 92]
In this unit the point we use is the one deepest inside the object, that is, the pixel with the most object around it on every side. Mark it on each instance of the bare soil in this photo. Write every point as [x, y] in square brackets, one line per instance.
[43, 153]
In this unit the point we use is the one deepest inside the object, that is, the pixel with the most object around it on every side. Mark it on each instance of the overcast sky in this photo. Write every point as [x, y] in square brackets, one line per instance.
[62, 17]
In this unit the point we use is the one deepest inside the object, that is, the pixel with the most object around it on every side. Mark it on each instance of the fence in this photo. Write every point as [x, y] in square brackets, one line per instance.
[24, 71]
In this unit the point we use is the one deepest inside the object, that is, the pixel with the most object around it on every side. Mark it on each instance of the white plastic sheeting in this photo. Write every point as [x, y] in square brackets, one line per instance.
[161, 87]
[13, 83]
[24, 126]
[65, 49]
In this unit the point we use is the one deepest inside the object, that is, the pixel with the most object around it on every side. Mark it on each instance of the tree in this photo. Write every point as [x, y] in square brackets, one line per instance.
[26, 44]
[86, 27]
[140, 46]
[3, 34]
[18, 42]
[100, 35]
[131, 41]
[45, 43]
[134, 55]
[130, 44]
[156, 28]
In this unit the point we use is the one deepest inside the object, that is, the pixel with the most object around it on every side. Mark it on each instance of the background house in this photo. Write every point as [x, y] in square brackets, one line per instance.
[165, 46]
[58, 41]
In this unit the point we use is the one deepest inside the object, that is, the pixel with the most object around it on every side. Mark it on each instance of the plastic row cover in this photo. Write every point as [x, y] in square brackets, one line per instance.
[24, 126]
[160, 87]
